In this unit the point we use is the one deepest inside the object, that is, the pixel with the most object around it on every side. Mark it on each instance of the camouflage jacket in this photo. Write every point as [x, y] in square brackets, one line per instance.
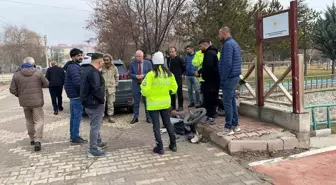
[111, 77]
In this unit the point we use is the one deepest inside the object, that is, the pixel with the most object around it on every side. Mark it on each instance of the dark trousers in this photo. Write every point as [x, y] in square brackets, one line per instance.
[179, 93]
[210, 99]
[136, 105]
[56, 97]
[155, 116]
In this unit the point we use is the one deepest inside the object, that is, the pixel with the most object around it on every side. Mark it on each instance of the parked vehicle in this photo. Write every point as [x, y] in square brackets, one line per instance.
[124, 98]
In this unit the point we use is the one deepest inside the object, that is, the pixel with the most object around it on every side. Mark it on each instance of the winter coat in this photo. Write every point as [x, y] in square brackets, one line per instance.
[72, 79]
[27, 84]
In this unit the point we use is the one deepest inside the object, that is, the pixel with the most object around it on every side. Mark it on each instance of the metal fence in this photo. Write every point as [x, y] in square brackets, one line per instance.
[311, 82]
[325, 122]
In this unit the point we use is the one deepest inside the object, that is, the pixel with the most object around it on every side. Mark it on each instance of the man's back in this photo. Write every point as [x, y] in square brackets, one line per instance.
[55, 76]
[92, 91]
[27, 84]
[230, 61]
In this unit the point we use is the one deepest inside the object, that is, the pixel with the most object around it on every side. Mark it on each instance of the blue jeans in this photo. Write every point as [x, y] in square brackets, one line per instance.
[76, 111]
[193, 84]
[229, 101]
[96, 117]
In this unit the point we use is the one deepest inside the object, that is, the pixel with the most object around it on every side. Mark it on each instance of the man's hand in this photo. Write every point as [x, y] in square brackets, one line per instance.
[139, 77]
[196, 74]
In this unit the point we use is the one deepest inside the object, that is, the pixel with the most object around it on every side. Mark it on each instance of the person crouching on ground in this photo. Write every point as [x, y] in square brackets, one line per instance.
[27, 84]
[92, 97]
[157, 87]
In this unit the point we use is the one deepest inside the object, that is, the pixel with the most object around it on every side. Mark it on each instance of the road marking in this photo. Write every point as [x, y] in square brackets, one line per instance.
[295, 156]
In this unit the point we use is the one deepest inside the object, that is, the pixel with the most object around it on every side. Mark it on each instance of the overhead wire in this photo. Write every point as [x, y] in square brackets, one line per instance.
[42, 5]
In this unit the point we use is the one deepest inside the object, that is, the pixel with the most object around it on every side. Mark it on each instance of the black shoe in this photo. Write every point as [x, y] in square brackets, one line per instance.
[171, 109]
[56, 112]
[158, 151]
[37, 146]
[102, 145]
[179, 109]
[60, 109]
[191, 105]
[85, 141]
[173, 148]
[134, 120]
[32, 143]
[78, 140]
[148, 120]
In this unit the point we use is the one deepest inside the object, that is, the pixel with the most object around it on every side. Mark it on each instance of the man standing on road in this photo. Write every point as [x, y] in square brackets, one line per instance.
[55, 76]
[72, 84]
[192, 82]
[177, 67]
[210, 75]
[92, 97]
[229, 70]
[138, 70]
[111, 77]
[27, 84]
[149, 58]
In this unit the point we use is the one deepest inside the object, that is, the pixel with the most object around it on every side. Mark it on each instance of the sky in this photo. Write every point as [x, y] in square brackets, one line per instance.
[64, 21]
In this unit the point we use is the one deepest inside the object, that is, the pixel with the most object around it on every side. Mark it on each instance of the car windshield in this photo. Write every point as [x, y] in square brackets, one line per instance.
[121, 69]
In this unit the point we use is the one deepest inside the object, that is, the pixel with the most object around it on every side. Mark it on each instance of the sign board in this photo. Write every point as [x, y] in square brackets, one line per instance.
[276, 26]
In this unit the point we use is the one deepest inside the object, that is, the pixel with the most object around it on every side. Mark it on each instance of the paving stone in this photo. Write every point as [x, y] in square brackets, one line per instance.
[290, 142]
[275, 145]
[248, 145]
[129, 158]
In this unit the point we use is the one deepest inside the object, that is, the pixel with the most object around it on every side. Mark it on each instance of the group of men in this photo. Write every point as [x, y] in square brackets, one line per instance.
[91, 86]
[206, 71]
[94, 85]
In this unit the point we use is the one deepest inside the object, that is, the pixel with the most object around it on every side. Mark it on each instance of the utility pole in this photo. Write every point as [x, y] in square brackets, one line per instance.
[46, 50]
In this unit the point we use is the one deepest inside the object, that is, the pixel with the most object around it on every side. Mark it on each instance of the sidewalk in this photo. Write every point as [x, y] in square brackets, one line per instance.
[254, 135]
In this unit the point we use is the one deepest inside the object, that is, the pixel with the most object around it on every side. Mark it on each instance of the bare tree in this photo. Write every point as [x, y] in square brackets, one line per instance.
[135, 24]
[19, 42]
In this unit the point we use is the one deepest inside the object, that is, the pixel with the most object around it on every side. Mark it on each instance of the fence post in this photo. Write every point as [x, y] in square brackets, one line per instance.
[259, 71]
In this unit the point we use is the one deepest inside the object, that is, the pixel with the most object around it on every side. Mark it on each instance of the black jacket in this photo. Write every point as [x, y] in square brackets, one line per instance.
[55, 76]
[176, 65]
[92, 90]
[209, 70]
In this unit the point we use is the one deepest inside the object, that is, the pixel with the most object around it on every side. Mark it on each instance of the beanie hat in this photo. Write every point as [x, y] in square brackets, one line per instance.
[158, 58]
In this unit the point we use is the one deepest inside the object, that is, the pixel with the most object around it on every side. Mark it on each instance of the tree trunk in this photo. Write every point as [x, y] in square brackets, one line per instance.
[333, 66]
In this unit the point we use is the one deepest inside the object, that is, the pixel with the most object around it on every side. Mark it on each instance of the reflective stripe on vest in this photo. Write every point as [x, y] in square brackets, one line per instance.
[151, 103]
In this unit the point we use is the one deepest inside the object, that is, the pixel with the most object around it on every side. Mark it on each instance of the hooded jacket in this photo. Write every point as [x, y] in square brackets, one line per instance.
[72, 79]
[209, 71]
[190, 68]
[27, 84]
[92, 91]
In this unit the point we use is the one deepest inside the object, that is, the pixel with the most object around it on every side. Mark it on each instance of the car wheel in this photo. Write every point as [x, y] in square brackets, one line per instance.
[195, 116]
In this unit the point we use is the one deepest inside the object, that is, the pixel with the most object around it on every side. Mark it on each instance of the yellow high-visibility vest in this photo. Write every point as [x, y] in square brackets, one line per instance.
[157, 90]
[198, 61]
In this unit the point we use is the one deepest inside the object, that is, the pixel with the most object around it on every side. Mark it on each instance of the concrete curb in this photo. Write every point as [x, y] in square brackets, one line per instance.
[320, 133]
[296, 156]
[235, 145]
